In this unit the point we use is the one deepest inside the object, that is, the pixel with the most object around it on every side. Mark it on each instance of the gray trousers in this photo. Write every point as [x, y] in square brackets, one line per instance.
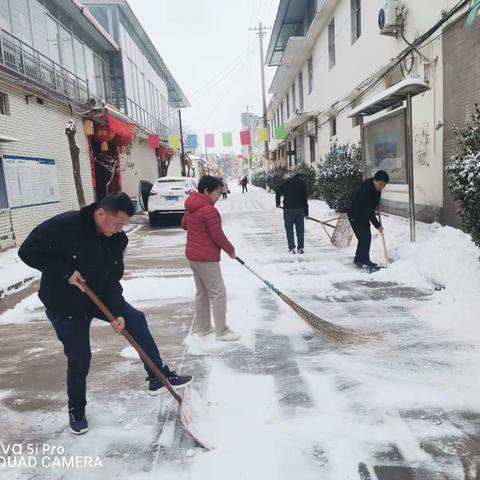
[211, 295]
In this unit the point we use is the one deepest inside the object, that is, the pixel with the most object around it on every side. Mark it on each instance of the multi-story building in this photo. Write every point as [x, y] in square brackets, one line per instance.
[144, 90]
[53, 58]
[59, 61]
[334, 56]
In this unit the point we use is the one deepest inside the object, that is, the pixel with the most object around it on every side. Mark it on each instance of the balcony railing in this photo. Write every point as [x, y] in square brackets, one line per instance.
[33, 65]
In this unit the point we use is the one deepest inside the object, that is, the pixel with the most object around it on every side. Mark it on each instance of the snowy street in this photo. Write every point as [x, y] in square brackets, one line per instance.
[284, 402]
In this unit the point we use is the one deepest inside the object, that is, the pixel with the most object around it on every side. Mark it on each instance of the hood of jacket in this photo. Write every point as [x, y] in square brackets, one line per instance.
[195, 201]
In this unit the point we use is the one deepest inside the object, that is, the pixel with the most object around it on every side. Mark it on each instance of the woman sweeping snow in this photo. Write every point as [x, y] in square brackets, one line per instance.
[205, 240]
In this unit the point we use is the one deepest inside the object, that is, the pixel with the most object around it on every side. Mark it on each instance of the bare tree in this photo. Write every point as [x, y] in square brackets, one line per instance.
[70, 132]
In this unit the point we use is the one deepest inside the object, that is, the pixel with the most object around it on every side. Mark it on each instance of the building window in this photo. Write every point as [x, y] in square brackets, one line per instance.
[287, 101]
[331, 43]
[21, 20]
[4, 110]
[312, 149]
[356, 14]
[5, 15]
[300, 90]
[310, 74]
[294, 100]
[66, 50]
[333, 127]
[52, 39]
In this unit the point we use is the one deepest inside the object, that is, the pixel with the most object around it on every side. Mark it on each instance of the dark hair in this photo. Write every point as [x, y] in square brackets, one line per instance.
[382, 176]
[117, 202]
[209, 183]
[298, 175]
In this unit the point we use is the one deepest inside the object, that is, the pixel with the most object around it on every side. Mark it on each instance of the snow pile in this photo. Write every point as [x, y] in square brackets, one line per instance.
[13, 270]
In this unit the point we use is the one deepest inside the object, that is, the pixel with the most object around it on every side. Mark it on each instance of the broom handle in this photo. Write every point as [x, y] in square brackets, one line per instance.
[266, 282]
[383, 238]
[132, 342]
[323, 226]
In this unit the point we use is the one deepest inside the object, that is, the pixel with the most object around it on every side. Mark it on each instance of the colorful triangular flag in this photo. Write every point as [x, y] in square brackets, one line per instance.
[262, 134]
[174, 141]
[227, 139]
[209, 140]
[245, 137]
[192, 141]
[280, 132]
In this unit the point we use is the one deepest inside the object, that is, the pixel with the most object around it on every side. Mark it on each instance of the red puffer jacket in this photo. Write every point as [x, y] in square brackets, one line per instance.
[205, 237]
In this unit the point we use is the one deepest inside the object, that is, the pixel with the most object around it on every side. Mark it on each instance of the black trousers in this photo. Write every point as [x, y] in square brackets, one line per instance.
[74, 333]
[244, 189]
[361, 229]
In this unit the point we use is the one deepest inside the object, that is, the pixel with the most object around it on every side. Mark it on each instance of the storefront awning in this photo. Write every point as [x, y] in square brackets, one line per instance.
[389, 97]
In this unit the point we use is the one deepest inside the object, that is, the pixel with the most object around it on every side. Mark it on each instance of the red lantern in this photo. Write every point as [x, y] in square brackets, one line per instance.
[153, 140]
[103, 134]
[162, 151]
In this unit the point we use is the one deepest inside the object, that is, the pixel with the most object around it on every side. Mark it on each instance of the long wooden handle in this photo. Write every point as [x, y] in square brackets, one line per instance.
[383, 239]
[323, 224]
[133, 343]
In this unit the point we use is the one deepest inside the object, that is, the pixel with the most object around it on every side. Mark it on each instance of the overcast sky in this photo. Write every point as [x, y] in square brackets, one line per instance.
[214, 57]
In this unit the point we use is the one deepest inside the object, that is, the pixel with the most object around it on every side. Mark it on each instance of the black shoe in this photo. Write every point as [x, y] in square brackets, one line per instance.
[371, 264]
[300, 251]
[358, 263]
[78, 422]
[156, 387]
[292, 251]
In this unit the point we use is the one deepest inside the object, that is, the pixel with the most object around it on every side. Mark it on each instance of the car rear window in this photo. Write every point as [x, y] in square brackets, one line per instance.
[167, 185]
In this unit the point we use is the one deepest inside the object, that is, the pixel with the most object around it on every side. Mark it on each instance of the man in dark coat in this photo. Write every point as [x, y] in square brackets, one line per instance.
[88, 246]
[244, 183]
[365, 202]
[295, 210]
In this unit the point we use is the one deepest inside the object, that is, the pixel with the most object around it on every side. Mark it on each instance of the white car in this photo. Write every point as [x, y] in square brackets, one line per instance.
[166, 197]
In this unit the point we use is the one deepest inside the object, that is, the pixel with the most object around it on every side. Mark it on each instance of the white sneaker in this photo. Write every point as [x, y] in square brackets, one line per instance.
[228, 336]
[204, 334]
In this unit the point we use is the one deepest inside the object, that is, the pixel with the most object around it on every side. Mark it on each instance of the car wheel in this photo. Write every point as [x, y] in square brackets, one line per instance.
[154, 222]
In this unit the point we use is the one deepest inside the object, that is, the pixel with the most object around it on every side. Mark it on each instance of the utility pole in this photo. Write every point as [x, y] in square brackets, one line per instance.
[249, 126]
[182, 155]
[261, 32]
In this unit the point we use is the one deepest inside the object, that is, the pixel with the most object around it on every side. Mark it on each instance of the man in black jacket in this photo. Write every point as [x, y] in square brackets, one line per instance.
[295, 210]
[365, 202]
[87, 246]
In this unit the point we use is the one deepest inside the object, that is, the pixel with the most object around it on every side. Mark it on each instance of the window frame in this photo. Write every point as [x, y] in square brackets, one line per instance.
[310, 74]
[356, 19]
[331, 44]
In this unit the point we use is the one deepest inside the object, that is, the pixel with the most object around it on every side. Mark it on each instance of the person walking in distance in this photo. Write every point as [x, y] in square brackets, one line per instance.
[88, 246]
[295, 210]
[244, 183]
[365, 201]
[205, 240]
[224, 189]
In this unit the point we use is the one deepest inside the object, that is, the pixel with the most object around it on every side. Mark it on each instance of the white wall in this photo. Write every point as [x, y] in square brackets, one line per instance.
[357, 62]
[144, 166]
[40, 130]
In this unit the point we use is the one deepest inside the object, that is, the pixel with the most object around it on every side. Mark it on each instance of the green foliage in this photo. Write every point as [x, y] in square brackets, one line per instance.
[259, 179]
[338, 175]
[276, 176]
[310, 176]
[464, 172]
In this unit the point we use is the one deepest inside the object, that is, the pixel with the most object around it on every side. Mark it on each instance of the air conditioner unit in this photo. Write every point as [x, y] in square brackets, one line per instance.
[311, 129]
[387, 18]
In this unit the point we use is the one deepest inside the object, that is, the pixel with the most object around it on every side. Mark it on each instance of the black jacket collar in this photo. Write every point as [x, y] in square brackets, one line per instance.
[88, 222]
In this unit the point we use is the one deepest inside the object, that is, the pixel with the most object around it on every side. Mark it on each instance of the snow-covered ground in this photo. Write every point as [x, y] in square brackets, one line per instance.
[284, 402]
[13, 271]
